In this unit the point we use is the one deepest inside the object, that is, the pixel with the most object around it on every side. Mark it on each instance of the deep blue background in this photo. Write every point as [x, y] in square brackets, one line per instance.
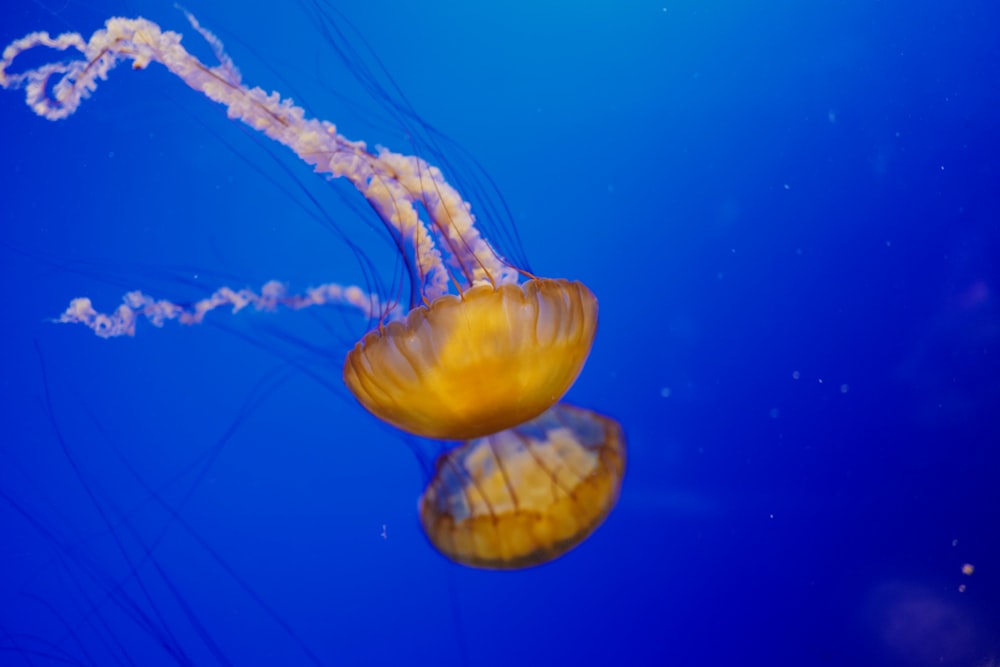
[789, 212]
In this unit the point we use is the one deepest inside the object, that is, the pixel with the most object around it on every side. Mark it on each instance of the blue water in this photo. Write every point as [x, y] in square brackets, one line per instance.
[789, 212]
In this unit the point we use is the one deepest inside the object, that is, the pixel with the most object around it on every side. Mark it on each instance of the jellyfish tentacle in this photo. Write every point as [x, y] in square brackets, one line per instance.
[136, 305]
[226, 63]
[393, 183]
[35, 81]
[452, 217]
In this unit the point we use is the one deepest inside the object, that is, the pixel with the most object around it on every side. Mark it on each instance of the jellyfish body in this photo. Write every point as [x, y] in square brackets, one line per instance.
[476, 364]
[528, 494]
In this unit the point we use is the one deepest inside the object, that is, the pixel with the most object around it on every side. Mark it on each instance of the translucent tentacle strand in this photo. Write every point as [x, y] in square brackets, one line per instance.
[394, 184]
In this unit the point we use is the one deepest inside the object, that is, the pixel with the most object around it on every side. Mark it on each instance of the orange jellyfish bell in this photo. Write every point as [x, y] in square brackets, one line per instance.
[477, 363]
[526, 495]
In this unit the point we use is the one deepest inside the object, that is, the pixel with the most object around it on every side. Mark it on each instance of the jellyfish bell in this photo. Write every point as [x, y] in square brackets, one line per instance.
[476, 364]
[528, 494]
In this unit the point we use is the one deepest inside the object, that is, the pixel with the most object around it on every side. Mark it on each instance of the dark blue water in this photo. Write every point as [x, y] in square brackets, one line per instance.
[789, 212]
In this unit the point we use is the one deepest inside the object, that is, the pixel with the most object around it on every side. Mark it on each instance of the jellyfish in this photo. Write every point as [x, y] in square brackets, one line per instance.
[483, 352]
[482, 356]
[566, 466]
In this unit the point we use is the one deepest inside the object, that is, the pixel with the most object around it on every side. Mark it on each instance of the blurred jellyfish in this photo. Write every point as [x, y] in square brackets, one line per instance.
[916, 625]
[526, 495]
